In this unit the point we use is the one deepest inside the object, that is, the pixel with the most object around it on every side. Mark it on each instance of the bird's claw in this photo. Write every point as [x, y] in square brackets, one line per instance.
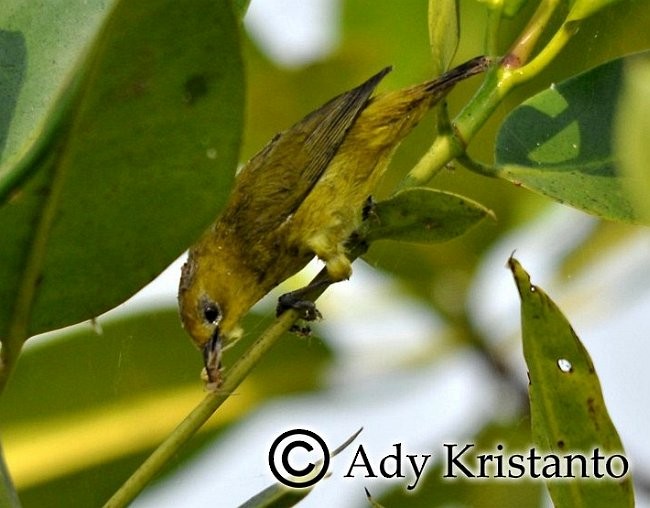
[306, 308]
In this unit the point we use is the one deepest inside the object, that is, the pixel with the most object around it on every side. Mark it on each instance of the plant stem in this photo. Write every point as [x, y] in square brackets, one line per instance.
[477, 166]
[213, 400]
[522, 48]
[450, 145]
[201, 413]
[499, 81]
[545, 56]
[494, 13]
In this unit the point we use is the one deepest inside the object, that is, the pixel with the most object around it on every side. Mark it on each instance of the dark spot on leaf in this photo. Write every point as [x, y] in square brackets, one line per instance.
[590, 404]
[560, 444]
[195, 87]
[592, 410]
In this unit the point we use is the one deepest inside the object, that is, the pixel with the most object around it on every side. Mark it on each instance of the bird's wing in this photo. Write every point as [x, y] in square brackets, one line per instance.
[276, 181]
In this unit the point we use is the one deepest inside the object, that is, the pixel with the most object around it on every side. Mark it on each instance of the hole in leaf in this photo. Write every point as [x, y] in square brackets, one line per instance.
[565, 365]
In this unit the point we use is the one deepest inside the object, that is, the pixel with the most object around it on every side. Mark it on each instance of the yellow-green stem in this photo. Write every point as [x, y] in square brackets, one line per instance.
[499, 81]
[545, 56]
[523, 47]
[205, 409]
[495, 12]
[213, 400]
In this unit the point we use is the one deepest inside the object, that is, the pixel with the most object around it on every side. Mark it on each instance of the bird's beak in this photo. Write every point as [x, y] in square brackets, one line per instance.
[212, 359]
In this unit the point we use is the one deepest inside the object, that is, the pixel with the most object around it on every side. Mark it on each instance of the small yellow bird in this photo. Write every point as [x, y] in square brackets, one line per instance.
[301, 196]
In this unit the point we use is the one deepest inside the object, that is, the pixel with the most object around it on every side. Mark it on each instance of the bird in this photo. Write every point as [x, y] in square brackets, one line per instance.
[303, 195]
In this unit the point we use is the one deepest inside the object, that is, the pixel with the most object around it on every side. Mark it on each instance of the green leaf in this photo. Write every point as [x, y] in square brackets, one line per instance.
[568, 412]
[632, 132]
[443, 33]
[241, 6]
[559, 144]
[41, 43]
[422, 215]
[144, 160]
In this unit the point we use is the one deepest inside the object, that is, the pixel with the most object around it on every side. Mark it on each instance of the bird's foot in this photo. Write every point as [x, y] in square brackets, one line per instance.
[299, 301]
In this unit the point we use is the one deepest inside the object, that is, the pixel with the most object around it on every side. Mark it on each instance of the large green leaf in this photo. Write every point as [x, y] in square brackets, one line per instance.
[144, 158]
[568, 412]
[41, 42]
[559, 143]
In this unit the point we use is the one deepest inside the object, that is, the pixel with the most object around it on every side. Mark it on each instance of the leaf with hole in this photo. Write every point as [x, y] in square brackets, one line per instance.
[568, 412]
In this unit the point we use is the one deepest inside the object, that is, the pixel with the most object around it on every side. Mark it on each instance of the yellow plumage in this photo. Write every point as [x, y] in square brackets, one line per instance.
[301, 195]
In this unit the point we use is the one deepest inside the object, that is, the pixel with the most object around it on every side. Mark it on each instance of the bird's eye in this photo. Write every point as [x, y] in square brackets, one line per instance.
[211, 313]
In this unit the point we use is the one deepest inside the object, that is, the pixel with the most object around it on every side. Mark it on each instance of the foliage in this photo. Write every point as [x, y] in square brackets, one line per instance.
[120, 131]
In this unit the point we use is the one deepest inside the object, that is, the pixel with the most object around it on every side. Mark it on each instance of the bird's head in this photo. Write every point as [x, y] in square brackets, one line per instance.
[211, 306]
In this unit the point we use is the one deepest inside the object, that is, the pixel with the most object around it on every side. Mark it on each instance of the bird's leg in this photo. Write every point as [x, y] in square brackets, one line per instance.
[300, 300]
[338, 267]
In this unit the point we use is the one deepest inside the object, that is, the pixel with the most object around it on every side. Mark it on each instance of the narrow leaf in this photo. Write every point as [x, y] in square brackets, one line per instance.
[371, 501]
[422, 215]
[559, 143]
[279, 495]
[443, 32]
[568, 412]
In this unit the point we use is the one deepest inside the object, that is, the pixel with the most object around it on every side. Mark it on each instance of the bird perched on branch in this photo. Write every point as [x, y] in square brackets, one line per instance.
[301, 196]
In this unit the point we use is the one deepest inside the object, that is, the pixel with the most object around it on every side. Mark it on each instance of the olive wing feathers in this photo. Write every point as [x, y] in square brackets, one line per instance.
[274, 183]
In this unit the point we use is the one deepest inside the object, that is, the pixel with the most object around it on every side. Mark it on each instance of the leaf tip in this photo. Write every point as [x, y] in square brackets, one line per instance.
[522, 279]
